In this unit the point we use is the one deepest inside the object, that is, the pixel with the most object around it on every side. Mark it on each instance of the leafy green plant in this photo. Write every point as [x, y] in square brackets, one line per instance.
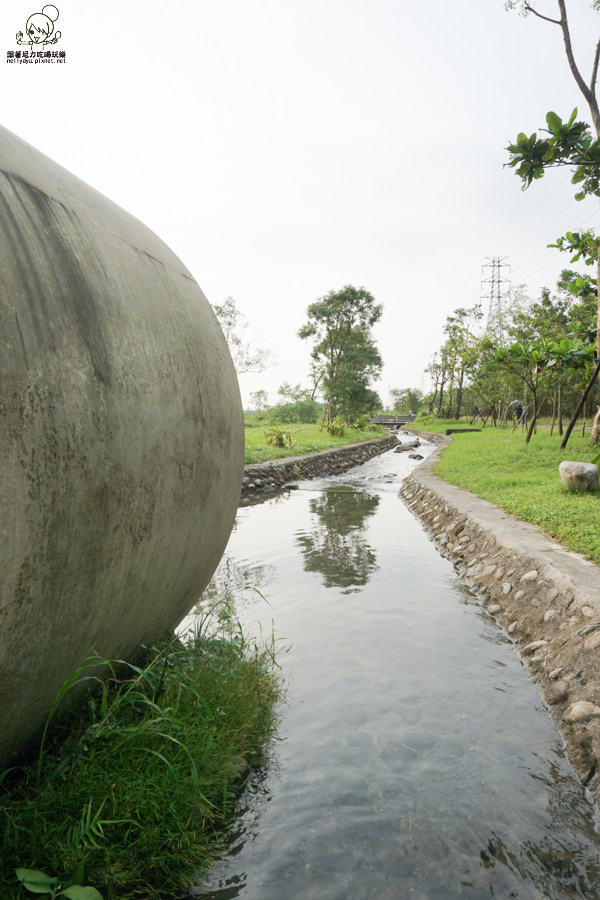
[337, 428]
[39, 883]
[276, 437]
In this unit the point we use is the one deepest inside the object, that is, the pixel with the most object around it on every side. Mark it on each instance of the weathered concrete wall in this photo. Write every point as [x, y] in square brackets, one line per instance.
[271, 476]
[546, 599]
[121, 434]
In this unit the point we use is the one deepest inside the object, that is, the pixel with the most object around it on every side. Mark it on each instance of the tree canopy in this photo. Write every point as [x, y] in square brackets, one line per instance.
[344, 352]
[568, 143]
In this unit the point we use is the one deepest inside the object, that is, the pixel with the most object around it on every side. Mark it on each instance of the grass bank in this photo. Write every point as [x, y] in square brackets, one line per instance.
[523, 479]
[304, 439]
[134, 790]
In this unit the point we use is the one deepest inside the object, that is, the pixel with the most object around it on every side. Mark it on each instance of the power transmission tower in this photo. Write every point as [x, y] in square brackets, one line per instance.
[496, 289]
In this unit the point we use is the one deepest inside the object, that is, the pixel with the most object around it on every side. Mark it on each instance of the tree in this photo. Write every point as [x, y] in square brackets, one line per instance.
[345, 355]
[298, 405]
[260, 399]
[461, 349]
[438, 371]
[570, 143]
[536, 362]
[307, 412]
[292, 393]
[588, 91]
[234, 326]
[405, 399]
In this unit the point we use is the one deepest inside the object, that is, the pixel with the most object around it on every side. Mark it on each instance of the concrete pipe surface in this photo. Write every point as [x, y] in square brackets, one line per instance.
[121, 436]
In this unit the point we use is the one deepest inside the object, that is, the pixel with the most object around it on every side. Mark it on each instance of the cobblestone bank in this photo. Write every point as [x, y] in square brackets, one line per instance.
[546, 599]
[275, 474]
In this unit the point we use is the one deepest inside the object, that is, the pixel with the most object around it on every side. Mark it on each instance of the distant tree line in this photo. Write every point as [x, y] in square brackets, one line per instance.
[533, 356]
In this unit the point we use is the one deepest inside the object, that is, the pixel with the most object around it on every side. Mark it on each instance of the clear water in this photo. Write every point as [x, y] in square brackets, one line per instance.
[416, 759]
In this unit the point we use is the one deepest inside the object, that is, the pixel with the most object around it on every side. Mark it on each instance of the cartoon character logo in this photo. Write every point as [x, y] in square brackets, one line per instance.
[40, 28]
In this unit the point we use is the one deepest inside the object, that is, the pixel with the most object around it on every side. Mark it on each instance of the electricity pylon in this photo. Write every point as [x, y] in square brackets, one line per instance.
[496, 289]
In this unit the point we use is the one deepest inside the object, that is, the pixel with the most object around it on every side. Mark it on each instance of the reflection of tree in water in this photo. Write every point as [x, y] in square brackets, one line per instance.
[336, 547]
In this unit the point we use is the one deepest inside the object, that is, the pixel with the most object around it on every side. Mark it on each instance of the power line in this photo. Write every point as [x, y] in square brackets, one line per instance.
[537, 212]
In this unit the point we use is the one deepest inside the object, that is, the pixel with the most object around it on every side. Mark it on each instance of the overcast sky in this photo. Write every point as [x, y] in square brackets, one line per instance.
[285, 148]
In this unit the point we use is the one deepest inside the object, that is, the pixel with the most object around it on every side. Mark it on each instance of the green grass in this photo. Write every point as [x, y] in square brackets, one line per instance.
[133, 791]
[305, 439]
[523, 479]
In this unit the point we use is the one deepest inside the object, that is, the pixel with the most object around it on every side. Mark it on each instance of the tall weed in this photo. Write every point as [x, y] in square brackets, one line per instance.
[132, 791]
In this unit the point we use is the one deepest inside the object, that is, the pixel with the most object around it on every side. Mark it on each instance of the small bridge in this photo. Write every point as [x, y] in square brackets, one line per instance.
[393, 422]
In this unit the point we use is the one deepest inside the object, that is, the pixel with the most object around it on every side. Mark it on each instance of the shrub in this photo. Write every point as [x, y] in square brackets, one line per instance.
[276, 437]
[337, 428]
[307, 412]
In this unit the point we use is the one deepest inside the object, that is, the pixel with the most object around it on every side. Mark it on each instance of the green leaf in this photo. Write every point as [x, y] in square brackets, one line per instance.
[554, 122]
[35, 881]
[36, 888]
[76, 892]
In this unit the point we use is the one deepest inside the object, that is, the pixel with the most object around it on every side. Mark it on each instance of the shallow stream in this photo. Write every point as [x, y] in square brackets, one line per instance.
[416, 759]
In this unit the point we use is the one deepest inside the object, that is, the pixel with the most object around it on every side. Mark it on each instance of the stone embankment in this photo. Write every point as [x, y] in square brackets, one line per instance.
[545, 598]
[277, 473]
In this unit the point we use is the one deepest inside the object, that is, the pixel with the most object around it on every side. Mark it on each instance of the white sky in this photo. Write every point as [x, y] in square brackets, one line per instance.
[284, 148]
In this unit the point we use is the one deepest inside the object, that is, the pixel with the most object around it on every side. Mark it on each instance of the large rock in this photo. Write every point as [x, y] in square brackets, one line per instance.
[579, 476]
[121, 435]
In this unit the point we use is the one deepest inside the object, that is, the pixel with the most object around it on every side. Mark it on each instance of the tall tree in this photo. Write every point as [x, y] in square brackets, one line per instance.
[462, 351]
[292, 393]
[570, 143]
[405, 399]
[344, 351]
[260, 399]
[246, 357]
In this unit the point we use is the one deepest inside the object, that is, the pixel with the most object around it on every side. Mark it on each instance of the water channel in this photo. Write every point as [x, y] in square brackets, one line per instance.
[415, 757]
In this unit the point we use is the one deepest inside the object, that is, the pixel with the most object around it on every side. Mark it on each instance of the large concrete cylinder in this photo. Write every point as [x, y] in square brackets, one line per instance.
[121, 435]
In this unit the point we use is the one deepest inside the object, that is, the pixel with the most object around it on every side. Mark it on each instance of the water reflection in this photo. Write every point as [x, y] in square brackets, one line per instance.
[558, 869]
[336, 546]
[234, 575]
[417, 760]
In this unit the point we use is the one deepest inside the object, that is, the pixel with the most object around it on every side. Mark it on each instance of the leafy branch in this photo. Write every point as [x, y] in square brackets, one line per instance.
[569, 143]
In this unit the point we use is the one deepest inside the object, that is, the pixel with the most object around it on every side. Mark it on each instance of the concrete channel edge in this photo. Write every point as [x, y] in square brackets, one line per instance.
[546, 599]
[274, 475]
